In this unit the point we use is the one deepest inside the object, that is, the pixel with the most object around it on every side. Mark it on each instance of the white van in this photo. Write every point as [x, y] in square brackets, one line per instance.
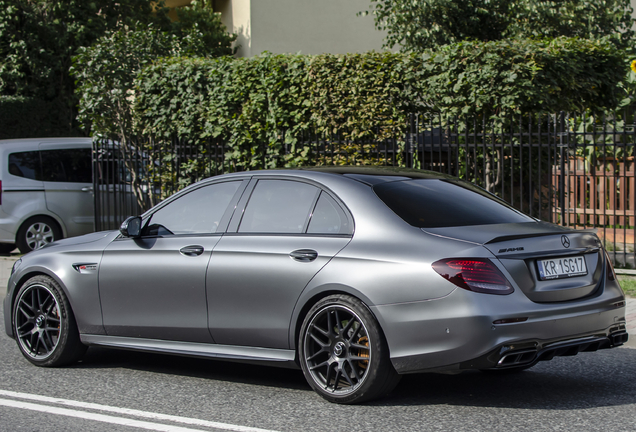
[46, 191]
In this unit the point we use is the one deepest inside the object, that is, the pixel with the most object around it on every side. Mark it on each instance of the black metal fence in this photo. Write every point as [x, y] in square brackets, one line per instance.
[573, 170]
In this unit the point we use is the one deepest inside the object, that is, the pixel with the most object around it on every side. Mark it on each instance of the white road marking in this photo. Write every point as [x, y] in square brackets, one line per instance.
[96, 417]
[116, 410]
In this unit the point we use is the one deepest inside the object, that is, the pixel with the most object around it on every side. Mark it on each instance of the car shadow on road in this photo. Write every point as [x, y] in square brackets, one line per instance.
[588, 380]
[195, 367]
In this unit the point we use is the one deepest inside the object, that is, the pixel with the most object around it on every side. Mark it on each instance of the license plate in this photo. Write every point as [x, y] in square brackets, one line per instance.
[557, 268]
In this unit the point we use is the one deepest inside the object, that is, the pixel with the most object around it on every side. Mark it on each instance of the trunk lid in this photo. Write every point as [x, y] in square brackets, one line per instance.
[548, 263]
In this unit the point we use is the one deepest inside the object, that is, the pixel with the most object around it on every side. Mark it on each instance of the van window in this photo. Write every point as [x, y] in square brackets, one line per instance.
[25, 164]
[68, 165]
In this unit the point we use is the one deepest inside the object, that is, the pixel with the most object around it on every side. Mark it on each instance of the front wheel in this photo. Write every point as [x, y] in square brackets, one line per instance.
[44, 325]
[343, 353]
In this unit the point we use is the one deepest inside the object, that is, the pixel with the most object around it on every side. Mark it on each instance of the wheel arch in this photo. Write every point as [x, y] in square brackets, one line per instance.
[24, 278]
[310, 298]
[47, 214]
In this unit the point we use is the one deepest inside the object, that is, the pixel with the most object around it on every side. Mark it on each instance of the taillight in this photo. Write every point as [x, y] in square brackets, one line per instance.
[474, 274]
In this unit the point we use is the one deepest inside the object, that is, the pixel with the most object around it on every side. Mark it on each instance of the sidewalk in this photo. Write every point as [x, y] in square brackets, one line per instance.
[6, 263]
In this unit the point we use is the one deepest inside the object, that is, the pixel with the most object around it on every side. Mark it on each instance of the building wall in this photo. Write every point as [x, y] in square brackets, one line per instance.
[305, 26]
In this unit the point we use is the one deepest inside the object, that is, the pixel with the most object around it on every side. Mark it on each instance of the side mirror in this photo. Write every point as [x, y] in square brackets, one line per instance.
[131, 227]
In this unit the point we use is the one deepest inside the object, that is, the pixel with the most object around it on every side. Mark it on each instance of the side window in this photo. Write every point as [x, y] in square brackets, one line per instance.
[278, 206]
[25, 164]
[197, 212]
[328, 217]
[68, 165]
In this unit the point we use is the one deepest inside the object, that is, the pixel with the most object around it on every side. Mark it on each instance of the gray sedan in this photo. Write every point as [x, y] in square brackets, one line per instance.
[355, 275]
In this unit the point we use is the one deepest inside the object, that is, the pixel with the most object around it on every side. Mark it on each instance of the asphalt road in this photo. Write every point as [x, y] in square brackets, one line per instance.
[113, 390]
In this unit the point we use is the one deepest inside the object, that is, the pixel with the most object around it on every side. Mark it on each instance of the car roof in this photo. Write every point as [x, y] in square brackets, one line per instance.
[366, 175]
[379, 174]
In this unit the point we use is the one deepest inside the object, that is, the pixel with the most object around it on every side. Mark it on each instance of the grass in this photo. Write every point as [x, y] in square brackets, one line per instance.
[628, 283]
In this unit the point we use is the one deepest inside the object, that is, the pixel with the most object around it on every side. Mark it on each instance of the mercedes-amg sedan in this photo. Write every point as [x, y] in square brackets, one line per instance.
[357, 276]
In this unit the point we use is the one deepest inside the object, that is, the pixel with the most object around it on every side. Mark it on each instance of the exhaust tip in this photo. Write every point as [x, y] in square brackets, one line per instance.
[619, 338]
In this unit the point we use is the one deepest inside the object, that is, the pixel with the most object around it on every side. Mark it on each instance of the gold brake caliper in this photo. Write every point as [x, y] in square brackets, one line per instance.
[363, 352]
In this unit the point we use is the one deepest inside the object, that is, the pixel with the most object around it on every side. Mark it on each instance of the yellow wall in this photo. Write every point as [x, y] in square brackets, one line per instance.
[305, 26]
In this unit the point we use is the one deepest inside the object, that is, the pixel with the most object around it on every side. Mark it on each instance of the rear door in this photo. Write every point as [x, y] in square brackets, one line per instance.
[68, 185]
[288, 231]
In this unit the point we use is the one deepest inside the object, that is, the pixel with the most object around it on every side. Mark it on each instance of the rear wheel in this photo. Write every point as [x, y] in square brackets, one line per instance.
[36, 233]
[343, 353]
[44, 325]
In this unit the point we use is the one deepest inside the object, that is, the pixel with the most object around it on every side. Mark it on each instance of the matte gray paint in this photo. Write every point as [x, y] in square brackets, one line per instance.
[429, 322]
[56, 260]
[253, 285]
[149, 289]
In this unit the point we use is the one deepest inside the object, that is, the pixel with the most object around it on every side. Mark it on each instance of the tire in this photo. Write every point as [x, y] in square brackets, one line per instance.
[36, 233]
[44, 325]
[6, 248]
[343, 352]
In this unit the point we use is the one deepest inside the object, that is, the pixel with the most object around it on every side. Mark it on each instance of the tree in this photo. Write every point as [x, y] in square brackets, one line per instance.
[39, 37]
[106, 70]
[423, 24]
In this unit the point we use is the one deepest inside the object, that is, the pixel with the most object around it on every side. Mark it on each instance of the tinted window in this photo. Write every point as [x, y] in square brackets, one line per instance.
[279, 206]
[69, 165]
[197, 212]
[25, 164]
[435, 203]
[328, 217]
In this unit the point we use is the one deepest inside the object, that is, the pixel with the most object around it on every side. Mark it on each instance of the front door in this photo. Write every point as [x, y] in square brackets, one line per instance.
[154, 286]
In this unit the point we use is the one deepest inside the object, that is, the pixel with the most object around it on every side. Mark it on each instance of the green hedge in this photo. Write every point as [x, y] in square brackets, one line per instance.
[23, 117]
[274, 99]
[525, 76]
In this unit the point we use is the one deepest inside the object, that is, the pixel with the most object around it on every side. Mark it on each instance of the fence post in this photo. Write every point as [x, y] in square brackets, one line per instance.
[96, 191]
[408, 144]
[562, 162]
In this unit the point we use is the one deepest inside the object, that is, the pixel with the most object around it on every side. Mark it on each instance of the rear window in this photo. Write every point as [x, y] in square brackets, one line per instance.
[435, 203]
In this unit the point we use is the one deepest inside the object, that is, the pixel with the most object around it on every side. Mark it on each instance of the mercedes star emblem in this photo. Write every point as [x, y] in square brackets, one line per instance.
[565, 241]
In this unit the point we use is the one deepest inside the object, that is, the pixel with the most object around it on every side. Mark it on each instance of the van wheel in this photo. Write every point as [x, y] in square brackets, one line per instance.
[37, 232]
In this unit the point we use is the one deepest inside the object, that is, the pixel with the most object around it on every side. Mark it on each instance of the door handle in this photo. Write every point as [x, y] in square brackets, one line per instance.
[87, 189]
[193, 250]
[304, 255]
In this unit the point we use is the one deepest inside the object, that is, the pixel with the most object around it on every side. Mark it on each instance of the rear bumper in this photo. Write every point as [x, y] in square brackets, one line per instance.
[528, 353]
[459, 332]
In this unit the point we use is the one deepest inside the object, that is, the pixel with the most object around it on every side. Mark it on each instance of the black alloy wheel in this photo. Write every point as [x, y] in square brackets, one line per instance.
[44, 325]
[343, 353]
